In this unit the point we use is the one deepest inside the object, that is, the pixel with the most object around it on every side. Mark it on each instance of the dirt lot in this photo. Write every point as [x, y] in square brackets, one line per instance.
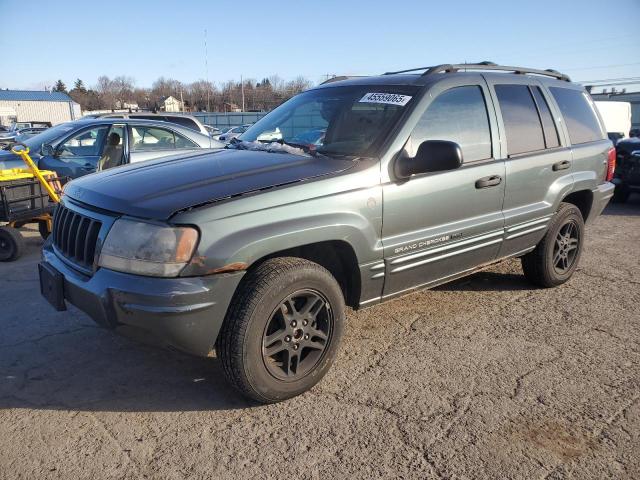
[482, 378]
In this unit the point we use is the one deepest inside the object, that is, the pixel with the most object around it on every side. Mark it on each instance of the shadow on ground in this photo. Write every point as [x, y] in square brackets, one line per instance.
[93, 369]
[630, 208]
[488, 282]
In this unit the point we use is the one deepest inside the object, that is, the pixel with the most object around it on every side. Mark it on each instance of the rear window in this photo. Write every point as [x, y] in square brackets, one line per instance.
[157, 118]
[521, 120]
[178, 120]
[579, 115]
[184, 121]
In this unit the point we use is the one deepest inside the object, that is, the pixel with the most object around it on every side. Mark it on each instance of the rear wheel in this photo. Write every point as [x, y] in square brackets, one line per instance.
[11, 244]
[282, 330]
[556, 257]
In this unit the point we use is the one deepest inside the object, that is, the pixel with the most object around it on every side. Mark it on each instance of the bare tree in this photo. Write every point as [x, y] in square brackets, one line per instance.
[122, 87]
[263, 95]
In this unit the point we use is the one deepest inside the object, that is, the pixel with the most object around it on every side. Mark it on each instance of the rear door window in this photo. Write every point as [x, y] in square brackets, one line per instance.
[154, 138]
[458, 115]
[579, 115]
[521, 121]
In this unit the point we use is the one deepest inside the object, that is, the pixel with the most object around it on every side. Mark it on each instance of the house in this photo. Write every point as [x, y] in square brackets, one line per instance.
[37, 106]
[130, 105]
[172, 104]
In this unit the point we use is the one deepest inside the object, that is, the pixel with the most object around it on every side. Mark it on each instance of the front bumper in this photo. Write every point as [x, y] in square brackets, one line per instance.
[601, 196]
[186, 313]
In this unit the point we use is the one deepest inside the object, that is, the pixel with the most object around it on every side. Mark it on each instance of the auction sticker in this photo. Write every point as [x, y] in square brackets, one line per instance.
[388, 98]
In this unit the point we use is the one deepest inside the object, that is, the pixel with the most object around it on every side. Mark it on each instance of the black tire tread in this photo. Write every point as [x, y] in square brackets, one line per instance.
[18, 241]
[43, 230]
[252, 288]
[534, 263]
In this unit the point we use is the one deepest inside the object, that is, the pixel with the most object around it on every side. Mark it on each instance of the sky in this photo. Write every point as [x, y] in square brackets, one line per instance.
[68, 39]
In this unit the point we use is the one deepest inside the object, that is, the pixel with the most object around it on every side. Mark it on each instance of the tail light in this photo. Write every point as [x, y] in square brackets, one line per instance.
[611, 164]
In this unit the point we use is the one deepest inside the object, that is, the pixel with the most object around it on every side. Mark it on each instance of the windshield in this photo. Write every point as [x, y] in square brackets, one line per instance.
[48, 136]
[351, 121]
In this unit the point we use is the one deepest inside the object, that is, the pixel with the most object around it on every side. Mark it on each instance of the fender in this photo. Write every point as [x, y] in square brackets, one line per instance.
[238, 234]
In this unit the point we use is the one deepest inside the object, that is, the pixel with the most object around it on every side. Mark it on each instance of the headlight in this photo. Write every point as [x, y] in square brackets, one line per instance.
[147, 249]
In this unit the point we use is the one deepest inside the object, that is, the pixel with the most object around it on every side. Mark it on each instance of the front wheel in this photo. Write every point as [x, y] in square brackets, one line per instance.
[556, 257]
[282, 330]
[43, 229]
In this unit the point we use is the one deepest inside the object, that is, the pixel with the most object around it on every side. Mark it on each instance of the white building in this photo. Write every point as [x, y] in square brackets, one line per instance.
[172, 104]
[37, 106]
[632, 97]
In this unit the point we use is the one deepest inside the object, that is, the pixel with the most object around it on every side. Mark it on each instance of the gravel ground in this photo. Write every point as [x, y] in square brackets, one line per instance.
[482, 378]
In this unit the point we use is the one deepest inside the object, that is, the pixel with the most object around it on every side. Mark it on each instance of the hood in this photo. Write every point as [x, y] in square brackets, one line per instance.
[157, 189]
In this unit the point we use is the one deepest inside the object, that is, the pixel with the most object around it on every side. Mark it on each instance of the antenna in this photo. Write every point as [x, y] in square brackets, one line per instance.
[242, 90]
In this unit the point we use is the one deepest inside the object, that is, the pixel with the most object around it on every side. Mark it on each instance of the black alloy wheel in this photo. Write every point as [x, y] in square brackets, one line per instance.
[296, 335]
[566, 246]
[282, 329]
[555, 258]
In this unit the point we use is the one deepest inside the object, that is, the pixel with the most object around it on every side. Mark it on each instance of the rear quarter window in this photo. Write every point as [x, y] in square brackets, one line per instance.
[579, 115]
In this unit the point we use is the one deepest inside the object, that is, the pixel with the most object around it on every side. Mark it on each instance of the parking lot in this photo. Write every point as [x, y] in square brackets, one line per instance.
[484, 377]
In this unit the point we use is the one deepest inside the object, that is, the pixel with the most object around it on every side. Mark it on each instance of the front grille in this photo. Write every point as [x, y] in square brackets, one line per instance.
[75, 236]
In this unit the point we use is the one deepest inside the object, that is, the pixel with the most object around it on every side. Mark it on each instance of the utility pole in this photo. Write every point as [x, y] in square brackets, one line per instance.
[182, 100]
[206, 66]
[242, 90]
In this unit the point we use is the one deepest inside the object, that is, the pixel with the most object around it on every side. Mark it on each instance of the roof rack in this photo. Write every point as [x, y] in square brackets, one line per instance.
[450, 68]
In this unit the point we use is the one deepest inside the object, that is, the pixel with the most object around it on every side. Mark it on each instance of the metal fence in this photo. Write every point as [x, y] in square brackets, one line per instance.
[232, 119]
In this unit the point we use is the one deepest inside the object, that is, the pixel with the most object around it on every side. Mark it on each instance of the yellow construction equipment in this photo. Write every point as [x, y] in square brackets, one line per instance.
[27, 195]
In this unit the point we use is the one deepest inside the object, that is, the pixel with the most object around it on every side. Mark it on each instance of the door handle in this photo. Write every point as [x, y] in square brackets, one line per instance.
[490, 181]
[563, 165]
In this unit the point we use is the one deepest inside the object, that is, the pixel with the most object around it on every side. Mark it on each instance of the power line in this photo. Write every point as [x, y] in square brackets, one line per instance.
[617, 84]
[608, 80]
[602, 66]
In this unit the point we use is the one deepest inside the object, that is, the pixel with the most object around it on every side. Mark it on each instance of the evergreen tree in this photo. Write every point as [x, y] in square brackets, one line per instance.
[60, 87]
[79, 86]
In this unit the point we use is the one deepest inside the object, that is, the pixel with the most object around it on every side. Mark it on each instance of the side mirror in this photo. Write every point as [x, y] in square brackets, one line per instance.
[47, 150]
[432, 156]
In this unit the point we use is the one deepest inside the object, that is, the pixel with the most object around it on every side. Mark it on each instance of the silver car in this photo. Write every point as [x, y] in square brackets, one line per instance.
[77, 148]
[232, 133]
[181, 119]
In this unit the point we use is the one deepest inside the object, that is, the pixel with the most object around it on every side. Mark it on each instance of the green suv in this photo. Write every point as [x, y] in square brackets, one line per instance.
[374, 187]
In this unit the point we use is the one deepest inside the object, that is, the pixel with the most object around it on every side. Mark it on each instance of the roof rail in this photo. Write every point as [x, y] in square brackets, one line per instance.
[340, 78]
[450, 68]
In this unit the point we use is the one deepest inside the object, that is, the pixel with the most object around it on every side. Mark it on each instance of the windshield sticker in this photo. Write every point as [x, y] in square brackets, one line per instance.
[388, 98]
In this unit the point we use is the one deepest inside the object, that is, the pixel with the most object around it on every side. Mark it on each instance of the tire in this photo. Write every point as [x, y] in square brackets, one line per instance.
[43, 229]
[11, 244]
[556, 256]
[266, 321]
[620, 194]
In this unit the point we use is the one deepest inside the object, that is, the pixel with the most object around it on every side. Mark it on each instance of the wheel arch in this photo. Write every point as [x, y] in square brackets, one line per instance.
[337, 256]
[583, 199]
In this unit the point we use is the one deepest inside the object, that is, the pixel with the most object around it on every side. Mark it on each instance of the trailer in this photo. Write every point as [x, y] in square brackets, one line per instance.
[616, 117]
